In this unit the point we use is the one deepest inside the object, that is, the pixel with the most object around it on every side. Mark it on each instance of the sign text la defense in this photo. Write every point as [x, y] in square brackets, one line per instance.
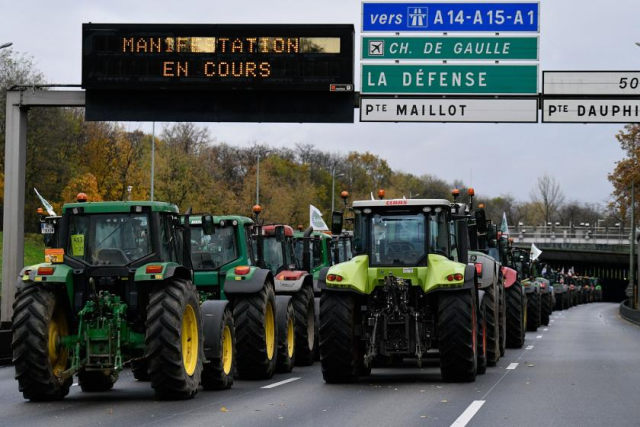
[448, 17]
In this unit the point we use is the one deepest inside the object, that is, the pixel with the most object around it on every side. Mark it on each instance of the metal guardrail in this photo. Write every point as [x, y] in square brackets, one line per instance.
[628, 313]
[561, 237]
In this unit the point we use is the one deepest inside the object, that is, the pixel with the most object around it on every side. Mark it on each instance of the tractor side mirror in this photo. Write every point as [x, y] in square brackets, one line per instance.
[279, 233]
[208, 226]
[336, 222]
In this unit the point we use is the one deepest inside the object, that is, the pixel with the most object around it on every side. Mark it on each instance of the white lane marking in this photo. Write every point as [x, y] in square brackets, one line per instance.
[74, 384]
[545, 329]
[281, 382]
[551, 321]
[529, 347]
[539, 336]
[466, 416]
[512, 366]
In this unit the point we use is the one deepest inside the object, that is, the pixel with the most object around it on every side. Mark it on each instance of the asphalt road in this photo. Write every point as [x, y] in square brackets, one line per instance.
[581, 370]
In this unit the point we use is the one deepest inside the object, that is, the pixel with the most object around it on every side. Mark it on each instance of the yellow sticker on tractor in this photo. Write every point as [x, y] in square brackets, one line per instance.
[77, 244]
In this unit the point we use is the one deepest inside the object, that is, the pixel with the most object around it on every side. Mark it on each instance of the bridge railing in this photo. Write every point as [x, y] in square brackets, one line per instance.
[603, 238]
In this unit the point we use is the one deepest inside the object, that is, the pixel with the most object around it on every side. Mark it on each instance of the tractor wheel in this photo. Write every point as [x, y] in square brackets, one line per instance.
[533, 312]
[217, 374]
[303, 305]
[340, 349]
[546, 309]
[482, 342]
[286, 323]
[316, 345]
[39, 322]
[503, 322]
[457, 324]
[566, 296]
[95, 381]
[559, 302]
[492, 317]
[174, 339]
[516, 316]
[256, 333]
[140, 369]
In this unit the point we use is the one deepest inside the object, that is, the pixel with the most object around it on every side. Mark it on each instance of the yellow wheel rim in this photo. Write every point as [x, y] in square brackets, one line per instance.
[58, 328]
[290, 338]
[270, 330]
[227, 350]
[189, 340]
[525, 317]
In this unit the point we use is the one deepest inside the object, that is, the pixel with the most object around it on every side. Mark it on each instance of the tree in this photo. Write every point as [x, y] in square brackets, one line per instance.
[626, 171]
[547, 196]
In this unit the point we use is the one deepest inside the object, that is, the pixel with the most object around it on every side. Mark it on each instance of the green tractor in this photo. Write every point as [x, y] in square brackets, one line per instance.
[122, 291]
[227, 265]
[407, 290]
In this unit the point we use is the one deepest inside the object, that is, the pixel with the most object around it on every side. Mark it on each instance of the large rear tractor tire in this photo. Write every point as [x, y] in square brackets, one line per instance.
[174, 340]
[340, 350]
[304, 309]
[559, 302]
[566, 300]
[286, 323]
[533, 312]
[95, 381]
[40, 320]
[217, 373]
[491, 310]
[256, 333]
[503, 321]
[457, 324]
[481, 341]
[516, 316]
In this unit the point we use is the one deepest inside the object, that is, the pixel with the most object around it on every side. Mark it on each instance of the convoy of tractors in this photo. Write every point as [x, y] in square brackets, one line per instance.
[196, 300]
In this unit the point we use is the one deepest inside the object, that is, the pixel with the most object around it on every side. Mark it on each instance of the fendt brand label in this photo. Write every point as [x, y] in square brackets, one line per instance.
[591, 111]
[441, 48]
[449, 110]
[450, 79]
[450, 17]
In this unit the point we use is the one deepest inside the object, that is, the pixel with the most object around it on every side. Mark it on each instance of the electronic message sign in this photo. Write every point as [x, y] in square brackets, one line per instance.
[165, 72]
[218, 57]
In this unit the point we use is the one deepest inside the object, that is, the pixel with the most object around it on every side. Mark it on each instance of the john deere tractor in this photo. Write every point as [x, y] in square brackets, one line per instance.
[408, 289]
[227, 266]
[122, 291]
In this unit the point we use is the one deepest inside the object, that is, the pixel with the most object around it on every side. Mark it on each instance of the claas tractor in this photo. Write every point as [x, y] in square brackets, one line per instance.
[121, 291]
[407, 290]
[227, 267]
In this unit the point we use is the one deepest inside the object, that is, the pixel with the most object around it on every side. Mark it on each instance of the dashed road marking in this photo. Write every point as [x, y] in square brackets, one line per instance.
[512, 366]
[539, 336]
[281, 382]
[466, 416]
[529, 347]
[551, 321]
[545, 329]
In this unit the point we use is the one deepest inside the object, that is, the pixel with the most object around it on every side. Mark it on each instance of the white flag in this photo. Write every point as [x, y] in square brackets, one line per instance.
[46, 204]
[504, 228]
[315, 218]
[535, 252]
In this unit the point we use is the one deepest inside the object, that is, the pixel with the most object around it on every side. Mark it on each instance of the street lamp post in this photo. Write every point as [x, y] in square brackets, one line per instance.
[333, 187]
[258, 177]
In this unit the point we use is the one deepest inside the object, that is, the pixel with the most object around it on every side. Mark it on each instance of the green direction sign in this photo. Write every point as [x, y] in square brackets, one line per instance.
[403, 79]
[445, 48]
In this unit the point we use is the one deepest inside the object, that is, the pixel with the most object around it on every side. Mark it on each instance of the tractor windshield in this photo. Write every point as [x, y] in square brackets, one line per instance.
[398, 238]
[273, 254]
[209, 252]
[109, 239]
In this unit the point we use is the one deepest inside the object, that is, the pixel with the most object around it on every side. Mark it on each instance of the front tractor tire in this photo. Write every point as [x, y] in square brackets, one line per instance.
[534, 311]
[256, 333]
[457, 323]
[491, 309]
[340, 350]
[304, 307]
[516, 316]
[286, 323]
[40, 320]
[174, 339]
[220, 333]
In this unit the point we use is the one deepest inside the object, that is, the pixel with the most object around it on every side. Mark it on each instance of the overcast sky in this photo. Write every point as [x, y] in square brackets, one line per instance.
[501, 158]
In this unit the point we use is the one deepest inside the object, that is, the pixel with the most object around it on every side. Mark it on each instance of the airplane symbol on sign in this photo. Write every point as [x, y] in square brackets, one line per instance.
[376, 47]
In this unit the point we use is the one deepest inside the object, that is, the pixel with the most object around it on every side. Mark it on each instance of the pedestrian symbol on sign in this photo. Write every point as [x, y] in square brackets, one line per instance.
[417, 17]
[376, 47]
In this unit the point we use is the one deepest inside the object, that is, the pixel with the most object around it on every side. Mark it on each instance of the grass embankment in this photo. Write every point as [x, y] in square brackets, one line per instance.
[33, 250]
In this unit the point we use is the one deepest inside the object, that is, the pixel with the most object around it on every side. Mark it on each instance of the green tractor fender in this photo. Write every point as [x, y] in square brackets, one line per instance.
[351, 276]
[213, 312]
[157, 271]
[470, 280]
[248, 283]
[62, 275]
